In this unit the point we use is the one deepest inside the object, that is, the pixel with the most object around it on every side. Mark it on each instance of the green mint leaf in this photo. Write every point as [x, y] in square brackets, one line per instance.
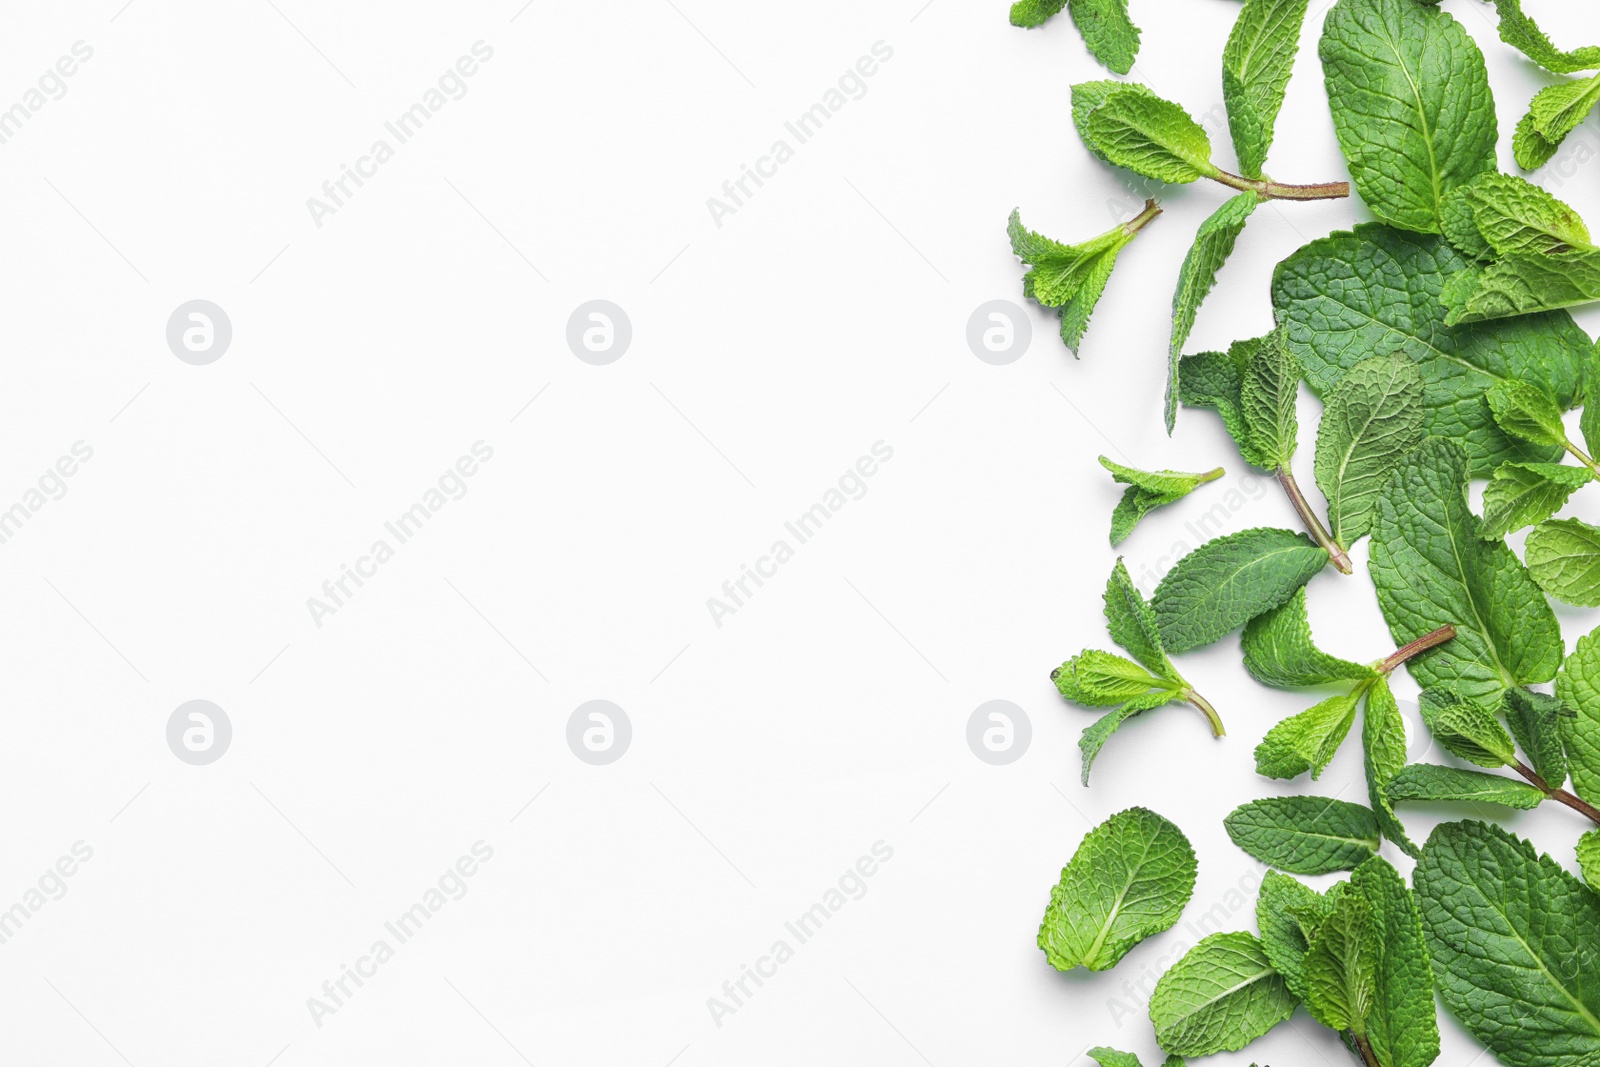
[1383, 745]
[1213, 244]
[1514, 215]
[1341, 966]
[1536, 721]
[1564, 558]
[1460, 227]
[1589, 858]
[1288, 913]
[1578, 686]
[1371, 419]
[1432, 569]
[1557, 109]
[1110, 1057]
[1070, 278]
[1528, 147]
[1228, 581]
[1268, 393]
[1522, 33]
[1133, 625]
[1465, 729]
[1216, 380]
[1109, 33]
[1377, 291]
[1222, 995]
[1307, 741]
[1098, 679]
[1095, 736]
[1305, 835]
[1589, 421]
[1525, 283]
[1512, 938]
[1522, 494]
[1434, 783]
[1130, 878]
[1131, 127]
[1524, 410]
[1403, 1027]
[1031, 13]
[1148, 490]
[1411, 106]
[1279, 650]
[1256, 65]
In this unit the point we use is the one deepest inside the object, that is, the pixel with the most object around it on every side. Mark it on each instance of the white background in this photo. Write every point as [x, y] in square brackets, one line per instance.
[768, 354]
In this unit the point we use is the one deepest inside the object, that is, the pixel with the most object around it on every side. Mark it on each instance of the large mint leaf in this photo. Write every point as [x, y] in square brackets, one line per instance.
[1372, 418]
[1256, 65]
[1564, 558]
[1432, 569]
[1513, 939]
[1213, 244]
[1129, 879]
[1225, 583]
[1279, 650]
[1579, 687]
[1219, 997]
[1305, 835]
[1402, 1028]
[1411, 106]
[1377, 290]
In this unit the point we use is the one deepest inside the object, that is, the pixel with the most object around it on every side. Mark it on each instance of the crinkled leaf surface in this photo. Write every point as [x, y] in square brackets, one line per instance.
[1372, 418]
[1226, 582]
[1403, 1027]
[1435, 783]
[1279, 650]
[1213, 244]
[1522, 494]
[1578, 686]
[1219, 997]
[1256, 65]
[1564, 558]
[1304, 834]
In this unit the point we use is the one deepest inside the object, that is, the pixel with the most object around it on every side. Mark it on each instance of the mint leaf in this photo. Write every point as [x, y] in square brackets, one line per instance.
[1465, 729]
[1279, 650]
[1130, 878]
[1512, 215]
[1288, 913]
[1268, 394]
[1524, 284]
[1430, 782]
[1383, 744]
[1555, 111]
[1132, 127]
[1589, 858]
[1098, 679]
[1228, 581]
[1564, 558]
[1222, 995]
[1528, 146]
[1377, 290]
[1524, 410]
[1403, 1028]
[1411, 106]
[1512, 938]
[1213, 243]
[1536, 722]
[1521, 494]
[1095, 736]
[1305, 835]
[1341, 966]
[1256, 65]
[1109, 33]
[1215, 380]
[1522, 33]
[1309, 740]
[1432, 569]
[1133, 625]
[1372, 418]
[1148, 490]
[1070, 278]
[1031, 13]
[1578, 686]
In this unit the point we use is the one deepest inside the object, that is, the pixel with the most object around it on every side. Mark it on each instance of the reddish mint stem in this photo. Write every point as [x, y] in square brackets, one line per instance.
[1318, 532]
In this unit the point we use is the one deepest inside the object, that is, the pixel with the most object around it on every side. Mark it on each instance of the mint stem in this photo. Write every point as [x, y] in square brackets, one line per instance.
[1368, 1057]
[1139, 221]
[1211, 475]
[1313, 524]
[1412, 648]
[1210, 712]
[1577, 804]
[1583, 457]
[1277, 191]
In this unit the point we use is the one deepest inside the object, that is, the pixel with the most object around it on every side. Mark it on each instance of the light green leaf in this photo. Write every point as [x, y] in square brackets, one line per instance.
[1268, 393]
[1256, 65]
[1305, 835]
[1372, 418]
[1432, 569]
[1098, 679]
[1130, 878]
[1430, 782]
[1578, 686]
[1403, 1027]
[1589, 858]
[1228, 581]
[1147, 491]
[1557, 109]
[1068, 277]
[1341, 966]
[1524, 410]
[1377, 290]
[1512, 937]
[1536, 721]
[1110, 1057]
[1307, 741]
[1383, 744]
[1513, 216]
[1521, 494]
[1133, 625]
[1031, 13]
[1564, 558]
[1109, 33]
[1148, 135]
[1411, 106]
[1279, 650]
[1522, 33]
[1589, 421]
[1219, 997]
[1528, 147]
[1465, 729]
[1212, 246]
[1288, 912]
[1094, 736]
